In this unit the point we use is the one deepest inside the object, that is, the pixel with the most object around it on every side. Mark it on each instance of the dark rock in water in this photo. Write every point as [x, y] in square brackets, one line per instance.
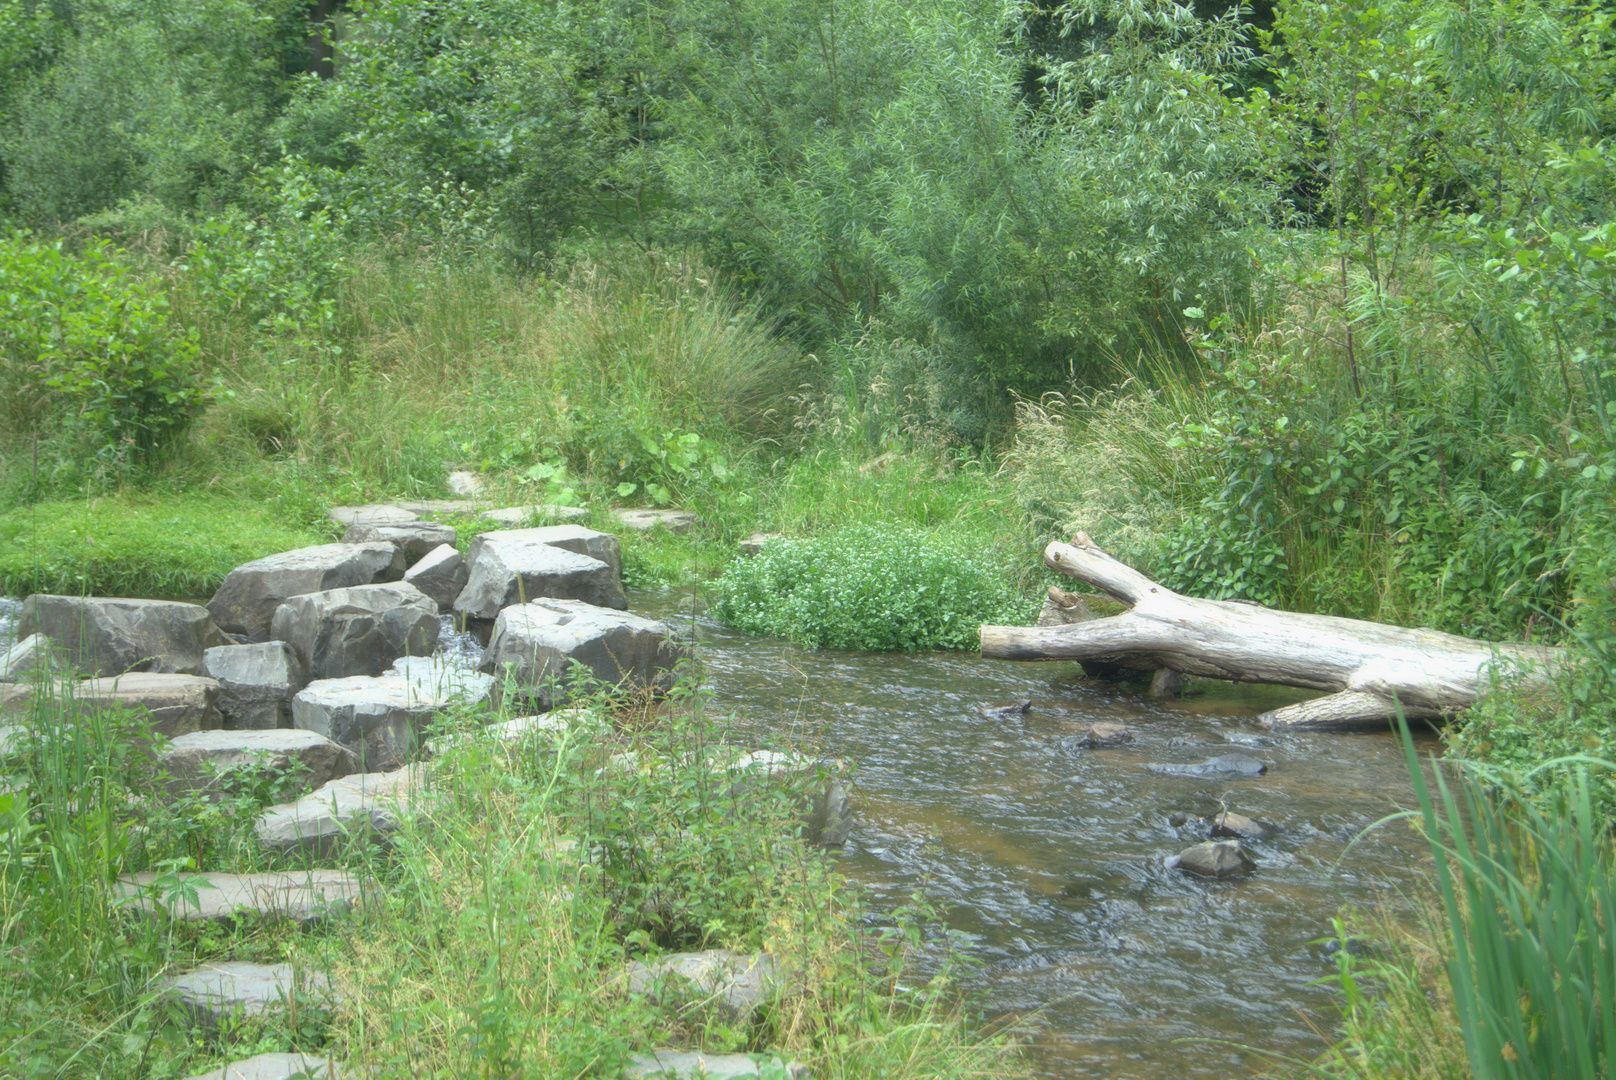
[1006, 710]
[1106, 735]
[1166, 683]
[1214, 859]
[1355, 946]
[1238, 826]
[1180, 818]
[1227, 765]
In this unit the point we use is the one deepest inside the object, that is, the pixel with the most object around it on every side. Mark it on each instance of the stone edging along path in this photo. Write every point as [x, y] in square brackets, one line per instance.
[315, 660]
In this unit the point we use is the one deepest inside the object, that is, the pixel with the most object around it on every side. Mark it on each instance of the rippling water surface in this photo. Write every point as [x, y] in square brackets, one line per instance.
[1049, 856]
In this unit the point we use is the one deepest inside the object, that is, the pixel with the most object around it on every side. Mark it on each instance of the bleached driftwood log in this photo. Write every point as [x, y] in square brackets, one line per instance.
[1368, 668]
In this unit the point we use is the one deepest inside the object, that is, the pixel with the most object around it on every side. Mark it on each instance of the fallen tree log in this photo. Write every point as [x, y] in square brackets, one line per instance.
[1367, 668]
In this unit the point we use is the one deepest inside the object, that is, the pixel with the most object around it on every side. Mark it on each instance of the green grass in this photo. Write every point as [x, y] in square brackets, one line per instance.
[156, 545]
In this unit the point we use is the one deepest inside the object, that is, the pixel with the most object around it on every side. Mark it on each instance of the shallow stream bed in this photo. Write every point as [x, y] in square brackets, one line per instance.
[1048, 857]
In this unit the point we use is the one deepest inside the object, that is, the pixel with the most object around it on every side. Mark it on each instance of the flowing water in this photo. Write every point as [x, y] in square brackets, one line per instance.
[1047, 857]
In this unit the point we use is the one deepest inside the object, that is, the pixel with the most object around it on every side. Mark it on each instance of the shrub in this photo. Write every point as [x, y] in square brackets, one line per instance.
[89, 343]
[870, 587]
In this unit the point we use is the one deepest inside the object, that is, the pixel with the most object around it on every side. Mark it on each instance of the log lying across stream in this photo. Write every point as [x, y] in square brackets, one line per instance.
[1367, 668]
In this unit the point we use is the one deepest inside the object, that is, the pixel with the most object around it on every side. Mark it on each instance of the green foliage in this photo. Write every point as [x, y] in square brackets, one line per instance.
[89, 344]
[869, 587]
[120, 546]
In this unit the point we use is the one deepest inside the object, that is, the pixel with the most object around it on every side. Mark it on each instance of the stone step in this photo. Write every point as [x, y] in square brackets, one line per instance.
[364, 807]
[541, 514]
[678, 522]
[371, 514]
[205, 760]
[278, 1067]
[303, 896]
[245, 604]
[690, 1065]
[218, 993]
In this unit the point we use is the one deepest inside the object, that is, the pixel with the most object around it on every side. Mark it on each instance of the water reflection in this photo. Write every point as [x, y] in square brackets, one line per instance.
[1048, 856]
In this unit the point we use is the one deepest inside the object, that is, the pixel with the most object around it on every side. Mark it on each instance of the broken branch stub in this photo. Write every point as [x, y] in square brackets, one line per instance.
[1366, 668]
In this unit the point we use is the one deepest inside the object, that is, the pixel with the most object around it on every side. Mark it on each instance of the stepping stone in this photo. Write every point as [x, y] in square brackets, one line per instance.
[204, 760]
[359, 630]
[505, 574]
[246, 602]
[522, 515]
[384, 719]
[101, 636]
[1106, 735]
[361, 807]
[574, 538]
[256, 683]
[177, 704]
[1237, 826]
[278, 1067]
[536, 645]
[513, 733]
[27, 656]
[1214, 859]
[414, 538]
[464, 482]
[441, 573]
[304, 896]
[755, 543]
[371, 514]
[217, 993]
[688, 1065]
[1229, 765]
[675, 521]
[736, 983]
[436, 508]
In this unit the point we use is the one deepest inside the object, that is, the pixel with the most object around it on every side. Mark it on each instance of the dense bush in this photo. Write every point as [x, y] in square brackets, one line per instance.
[867, 587]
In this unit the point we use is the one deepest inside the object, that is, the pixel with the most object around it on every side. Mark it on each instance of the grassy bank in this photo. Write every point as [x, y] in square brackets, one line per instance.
[496, 926]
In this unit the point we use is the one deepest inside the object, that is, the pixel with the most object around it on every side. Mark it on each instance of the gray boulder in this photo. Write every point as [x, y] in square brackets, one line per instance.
[245, 604]
[303, 896]
[278, 1067]
[218, 993]
[536, 645]
[256, 683]
[362, 807]
[436, 508]
[573, 538]
[359, 630]
[413, 538]
[371, 514]
[204, 760]
[176, 704]
[1229, 765]
[384, 719]
[504, 574]
[691, 1065]
[1214, 859]
[1106, 734]
[441, 573]
[1238, 826]
[27, 656]
[675, 521]
[100, 636]
[738, 984]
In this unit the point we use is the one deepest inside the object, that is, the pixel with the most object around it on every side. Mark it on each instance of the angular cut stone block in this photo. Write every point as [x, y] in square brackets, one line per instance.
[177, 704]
[692, 1065]
[513, 733]
[101, 636]
[441, 573]
[370, 514]
[279, 1067]
[413, 538]
[574, 538]
[359, 630]
[304, 896]
[256, 683]
[218, 992]
[529, 515]
[27, 656]
[504, 574]
[361, 807]
[246, 602]
[205, 760]
[536, 644]
[675, 521]
[384, 719]
[737, 983]
[436, 508]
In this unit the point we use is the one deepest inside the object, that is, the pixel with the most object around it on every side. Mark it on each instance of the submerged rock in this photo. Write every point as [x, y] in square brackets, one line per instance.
[256, 683]
[1214, 859]
[102, 636]
[245, 604]
[1227, 765]
[1005, 710]
[359, 630]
